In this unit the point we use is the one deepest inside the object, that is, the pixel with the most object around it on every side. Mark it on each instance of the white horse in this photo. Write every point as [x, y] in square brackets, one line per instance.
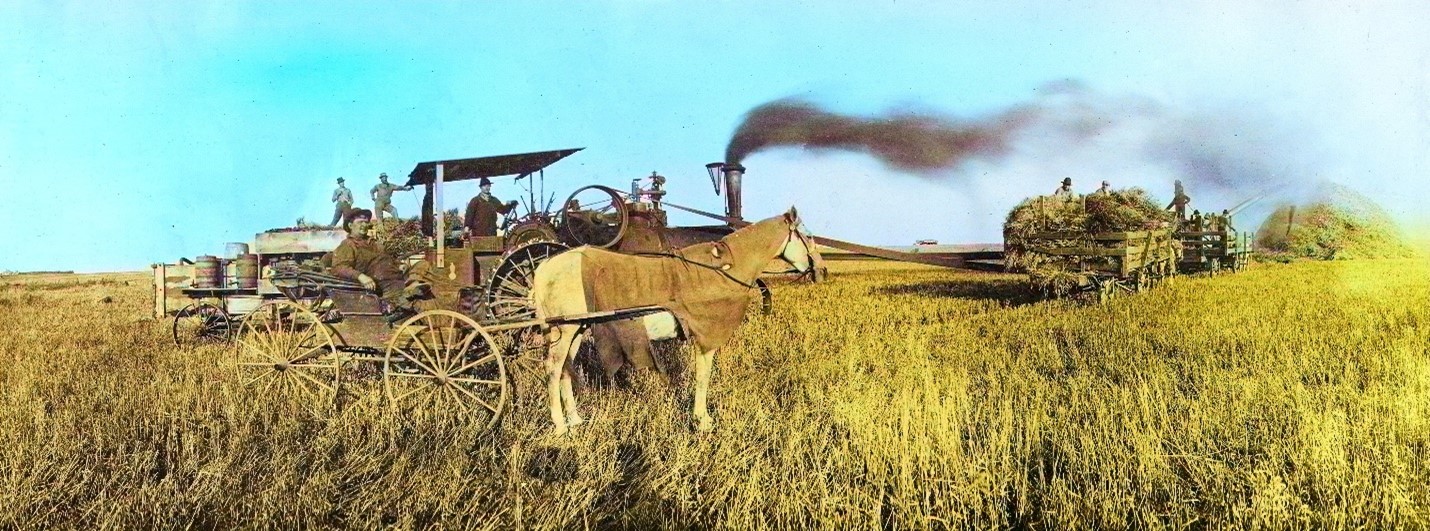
[704, 289]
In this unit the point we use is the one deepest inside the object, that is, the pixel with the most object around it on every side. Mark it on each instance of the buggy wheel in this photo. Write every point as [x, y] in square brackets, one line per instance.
[508, 294]
[444, 361]
[202, 323]
[285, 349]
[594, 215]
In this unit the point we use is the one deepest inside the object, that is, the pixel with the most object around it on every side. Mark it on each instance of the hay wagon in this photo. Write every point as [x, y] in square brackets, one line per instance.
[1213, 251]
[1097, 266]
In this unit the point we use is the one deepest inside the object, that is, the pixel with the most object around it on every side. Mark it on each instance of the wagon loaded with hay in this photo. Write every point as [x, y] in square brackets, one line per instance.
[1091, 247]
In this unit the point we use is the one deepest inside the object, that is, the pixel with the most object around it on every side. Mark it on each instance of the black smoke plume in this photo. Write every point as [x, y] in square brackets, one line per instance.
[906, 140]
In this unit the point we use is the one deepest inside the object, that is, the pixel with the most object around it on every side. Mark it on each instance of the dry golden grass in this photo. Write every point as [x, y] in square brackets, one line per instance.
[894, 396]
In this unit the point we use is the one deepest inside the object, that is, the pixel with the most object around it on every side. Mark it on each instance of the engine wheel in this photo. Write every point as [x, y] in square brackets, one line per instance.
[530, 231]
[509, 293]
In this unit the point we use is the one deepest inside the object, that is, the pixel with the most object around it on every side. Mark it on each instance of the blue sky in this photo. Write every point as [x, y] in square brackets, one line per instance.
[146, 131]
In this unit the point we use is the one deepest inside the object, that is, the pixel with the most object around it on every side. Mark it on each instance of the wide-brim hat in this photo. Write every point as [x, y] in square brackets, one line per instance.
[1067, 180]
[484, 182]
[354, 214]
[340, 179]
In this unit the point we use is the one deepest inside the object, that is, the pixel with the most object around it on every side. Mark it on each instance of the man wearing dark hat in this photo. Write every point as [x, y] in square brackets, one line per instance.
[1065, 189]
[361, 259]
[482, 211]
[382, 196]
[1180, 199]
[342, 203]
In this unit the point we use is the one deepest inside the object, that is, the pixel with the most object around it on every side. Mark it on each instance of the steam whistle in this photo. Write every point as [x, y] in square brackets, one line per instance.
[716, 174]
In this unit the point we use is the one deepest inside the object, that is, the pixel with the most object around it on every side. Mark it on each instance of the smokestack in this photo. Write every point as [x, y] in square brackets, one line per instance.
[733, 173]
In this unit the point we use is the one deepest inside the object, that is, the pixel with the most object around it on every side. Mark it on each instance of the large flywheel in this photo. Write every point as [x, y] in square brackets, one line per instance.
[509, 293]
[594, 215]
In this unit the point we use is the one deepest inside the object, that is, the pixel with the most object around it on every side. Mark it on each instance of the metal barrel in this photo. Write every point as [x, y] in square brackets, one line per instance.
[234, 250]
[207, 272]
[246, 269]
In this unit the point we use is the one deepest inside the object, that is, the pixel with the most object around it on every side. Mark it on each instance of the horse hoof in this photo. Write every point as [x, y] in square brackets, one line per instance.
[705, 426]
[573, 421]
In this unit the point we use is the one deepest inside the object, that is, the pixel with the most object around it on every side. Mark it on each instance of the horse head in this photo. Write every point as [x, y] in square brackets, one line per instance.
[795, 250]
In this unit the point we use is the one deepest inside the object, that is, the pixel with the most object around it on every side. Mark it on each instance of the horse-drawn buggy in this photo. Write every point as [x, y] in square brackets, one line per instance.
[469, 315]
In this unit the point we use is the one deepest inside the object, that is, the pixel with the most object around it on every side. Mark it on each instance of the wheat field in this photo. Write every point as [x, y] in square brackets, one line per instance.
[894, 396]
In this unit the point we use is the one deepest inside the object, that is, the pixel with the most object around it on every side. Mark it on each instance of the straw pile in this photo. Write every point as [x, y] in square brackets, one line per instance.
[1333, 222]
[1116, 211]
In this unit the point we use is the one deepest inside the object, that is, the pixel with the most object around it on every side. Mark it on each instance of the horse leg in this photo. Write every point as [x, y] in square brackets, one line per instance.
[573, 416]
[704, 362]
[562, 338]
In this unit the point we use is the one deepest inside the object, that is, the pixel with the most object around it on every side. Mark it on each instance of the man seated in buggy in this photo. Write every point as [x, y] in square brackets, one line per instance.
[363, 260]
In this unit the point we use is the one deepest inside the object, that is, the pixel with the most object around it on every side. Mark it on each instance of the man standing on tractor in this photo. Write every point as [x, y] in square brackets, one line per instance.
[342, 203]
[361, 259]
[382, 196]
[482, 210]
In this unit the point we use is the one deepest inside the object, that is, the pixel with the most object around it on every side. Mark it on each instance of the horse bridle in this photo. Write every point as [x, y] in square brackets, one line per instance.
[794, 228]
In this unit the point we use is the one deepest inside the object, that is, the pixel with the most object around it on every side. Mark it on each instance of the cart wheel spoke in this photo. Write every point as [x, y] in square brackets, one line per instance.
[477, 381]
[481, 361]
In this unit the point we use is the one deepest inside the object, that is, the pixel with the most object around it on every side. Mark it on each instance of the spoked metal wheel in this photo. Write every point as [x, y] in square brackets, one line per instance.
[443, 361]
[202, 324]
[509, 294]
[594, 215]
[285, 349]
[533, 229]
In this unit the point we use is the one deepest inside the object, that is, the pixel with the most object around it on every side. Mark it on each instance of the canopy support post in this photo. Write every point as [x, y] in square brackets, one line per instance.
[439, 226]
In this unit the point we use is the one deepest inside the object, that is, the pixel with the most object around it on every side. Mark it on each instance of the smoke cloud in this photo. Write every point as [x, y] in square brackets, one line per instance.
[906, 140]
[1223, 155]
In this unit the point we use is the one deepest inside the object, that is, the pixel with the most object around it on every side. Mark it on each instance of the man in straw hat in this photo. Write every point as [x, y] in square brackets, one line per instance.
[342, 203]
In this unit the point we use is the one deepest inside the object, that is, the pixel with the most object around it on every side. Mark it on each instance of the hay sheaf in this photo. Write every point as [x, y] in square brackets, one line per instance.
[1116, 211]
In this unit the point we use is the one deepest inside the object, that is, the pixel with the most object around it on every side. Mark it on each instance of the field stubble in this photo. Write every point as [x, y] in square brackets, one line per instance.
[894, 396]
